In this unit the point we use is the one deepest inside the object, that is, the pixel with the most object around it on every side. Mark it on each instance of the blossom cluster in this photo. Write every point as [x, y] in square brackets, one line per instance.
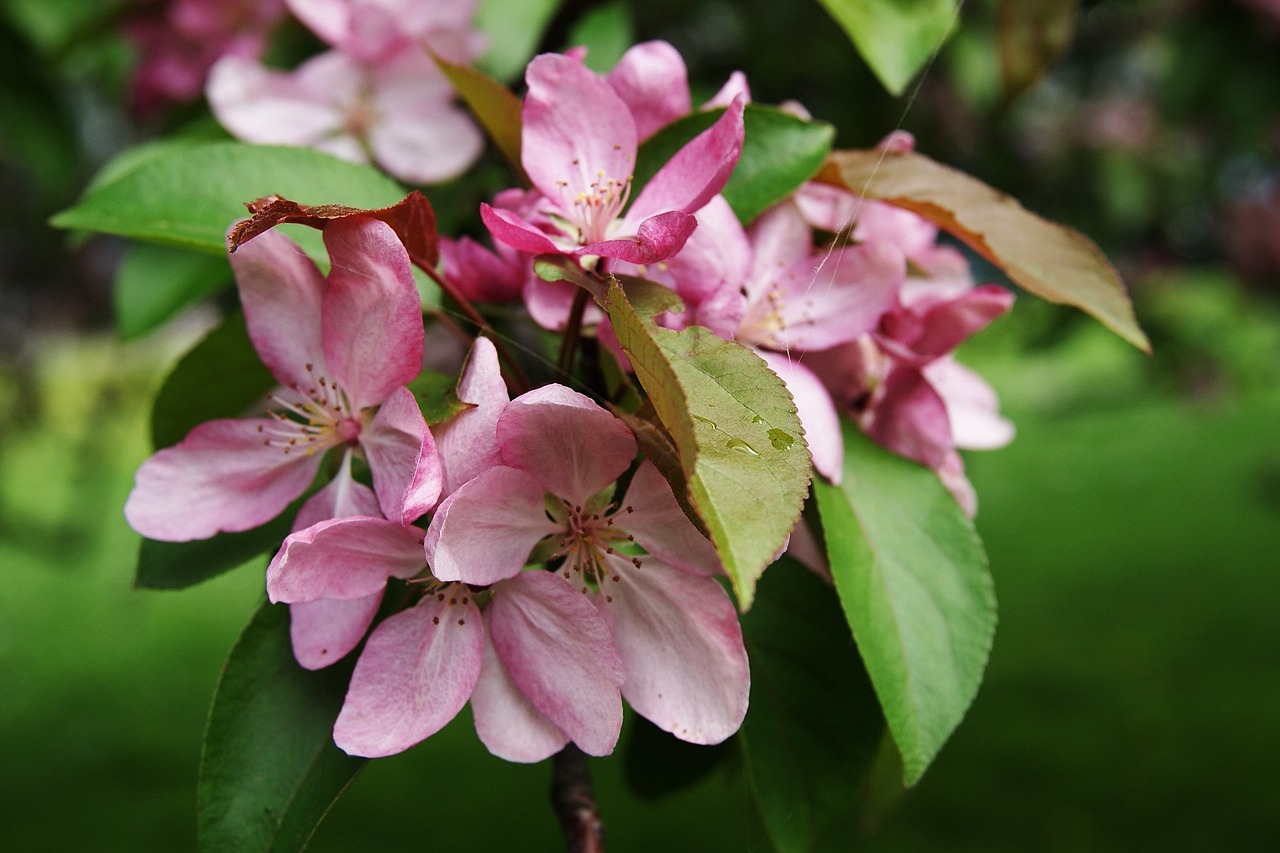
[527, 558]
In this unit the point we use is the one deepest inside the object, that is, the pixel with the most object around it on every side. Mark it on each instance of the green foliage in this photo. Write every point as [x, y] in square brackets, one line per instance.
[813, 728]
[178, 565]
[494, 106]
[606, 32]
[220, 377]
[895, 37]
[270, 771]
[188, 195]
[913, 581]
[734, 426]
[155, 283]
[779, 153]
[436, 396]
[513, 28]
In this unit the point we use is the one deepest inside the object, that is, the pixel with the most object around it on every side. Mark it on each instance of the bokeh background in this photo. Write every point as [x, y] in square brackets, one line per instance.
[1133, 526]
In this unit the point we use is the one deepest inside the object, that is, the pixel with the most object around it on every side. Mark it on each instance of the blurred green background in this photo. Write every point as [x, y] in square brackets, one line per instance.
[1133, 526]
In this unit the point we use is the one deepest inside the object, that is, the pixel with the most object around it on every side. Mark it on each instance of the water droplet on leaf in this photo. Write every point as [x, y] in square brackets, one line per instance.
[739, 444]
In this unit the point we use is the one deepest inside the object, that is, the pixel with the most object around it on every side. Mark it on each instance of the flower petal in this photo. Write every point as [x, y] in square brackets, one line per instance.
[468, 442]
[911, 419]
[340, 498]
[652, 80]
[506, 226]
[817, 414]
[325, 630]
[372, 315]
[557, 650]
[657, 238]
[402, 456]
[269, 107]
[343, 558]
[834, 298]
[681, 647]
[571, 446]
[220, 478]
[416, 672]
[972, 406]
[651, 514]
[485, 530]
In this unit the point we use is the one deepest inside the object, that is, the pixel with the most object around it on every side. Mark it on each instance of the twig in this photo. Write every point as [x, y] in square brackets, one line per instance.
[575, 802]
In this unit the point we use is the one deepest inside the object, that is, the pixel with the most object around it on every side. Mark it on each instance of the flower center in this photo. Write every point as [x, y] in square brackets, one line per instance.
[588, 538]
[312, 418]
[592, 210]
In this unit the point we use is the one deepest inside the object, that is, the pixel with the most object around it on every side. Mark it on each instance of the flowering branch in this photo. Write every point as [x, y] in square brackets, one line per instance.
[575, 803]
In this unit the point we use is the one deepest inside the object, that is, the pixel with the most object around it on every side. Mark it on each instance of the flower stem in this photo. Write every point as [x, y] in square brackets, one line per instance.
[575, 803]
[469, 311]
[572, 331]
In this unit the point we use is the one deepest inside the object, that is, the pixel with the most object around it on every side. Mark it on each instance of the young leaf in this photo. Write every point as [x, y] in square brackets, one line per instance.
[912, 577]
[178, 565]
[269, 770]
[734, 425]
[493, 105]
[220, 377]
[895, 37]
[813, 727]
[155, 283]
[1052, 261]
[779, 153]
[190, 195]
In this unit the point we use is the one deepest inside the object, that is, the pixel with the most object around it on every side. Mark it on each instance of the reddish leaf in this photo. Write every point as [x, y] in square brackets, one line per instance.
[1054, 262]
[412, 218]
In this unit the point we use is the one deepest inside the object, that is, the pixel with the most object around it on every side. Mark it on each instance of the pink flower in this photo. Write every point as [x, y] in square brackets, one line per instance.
[652, 79]
[399, 112]
[342, 349]
[373, 30]
[579, 150]
[673, 625]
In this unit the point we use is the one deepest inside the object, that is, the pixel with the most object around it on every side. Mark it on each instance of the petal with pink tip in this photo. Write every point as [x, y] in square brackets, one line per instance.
[571, 446]
[282, 292]
[416, 672]
[220, 478]
[402, 456]
[817, 414]
[468, 442]
[658, 238]
[832, 299]
[557, 650]
[485, 530]
[326, 630]
[340, 498]
[651, 514]
[343, 558]
[507, 227]
[506, 721]
[911, 419]
[696, 173]
[972, 406]
[950, 324]
[681, 648]
[652, 80]
[372, 315]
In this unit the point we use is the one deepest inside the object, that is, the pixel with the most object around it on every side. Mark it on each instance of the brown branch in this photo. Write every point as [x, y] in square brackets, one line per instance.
[575, 802]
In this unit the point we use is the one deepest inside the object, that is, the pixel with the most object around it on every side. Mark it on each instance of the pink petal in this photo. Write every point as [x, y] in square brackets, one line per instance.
[652, 80]
[479, 274]
[950, 324]
[326, 630]
[340, 498]
[372, 314]
[344, 558]
[910, 419]
[657, 238]
[557, 650]
[779, 238]
[577, 130]
[828, 207]
[402, 457]
[951, 472]
[220, 478]
[833, 299]
[506, 721]
[269, 107]
[661, 527]
[817, 414]
[485, 530]
[972, 406]
[468, 441]
[681, 648]
[717, 255]
[696, 173]
[416, 672]
[734, 87]
[507, 227]
[282, 292]
[571, 446]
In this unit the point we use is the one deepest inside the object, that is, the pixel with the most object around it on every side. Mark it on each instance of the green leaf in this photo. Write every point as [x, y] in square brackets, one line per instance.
[1052, 261]
[655, 763]
[178, 565]
[895, 37]
[155, 283]
[734, 425]
[437, 396]
[606, 32]
[514, 28]
[269, 771]
[779, 153]
[494, 106]
[221, 377]
[912, 577]
[189, 195]
[813, 727]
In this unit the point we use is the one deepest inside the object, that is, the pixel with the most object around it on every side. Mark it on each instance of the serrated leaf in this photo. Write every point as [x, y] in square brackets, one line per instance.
[813, 727]
[895, 37]
[494, 106]
[913, 581]
[734, 426]
[189, 196]
[221, 377]
[178, 565]
[155, 283]
[780, 151]
[269, 770]
[1052, 261]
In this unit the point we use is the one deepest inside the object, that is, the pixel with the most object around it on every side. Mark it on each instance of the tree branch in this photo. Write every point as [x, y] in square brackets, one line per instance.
[575, 802]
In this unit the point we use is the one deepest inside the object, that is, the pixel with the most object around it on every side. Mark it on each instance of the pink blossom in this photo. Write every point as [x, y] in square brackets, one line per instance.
[652, 79]
[342, 350]
[373, 30]
[579, 150]
[674, 627]
[399, 112]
